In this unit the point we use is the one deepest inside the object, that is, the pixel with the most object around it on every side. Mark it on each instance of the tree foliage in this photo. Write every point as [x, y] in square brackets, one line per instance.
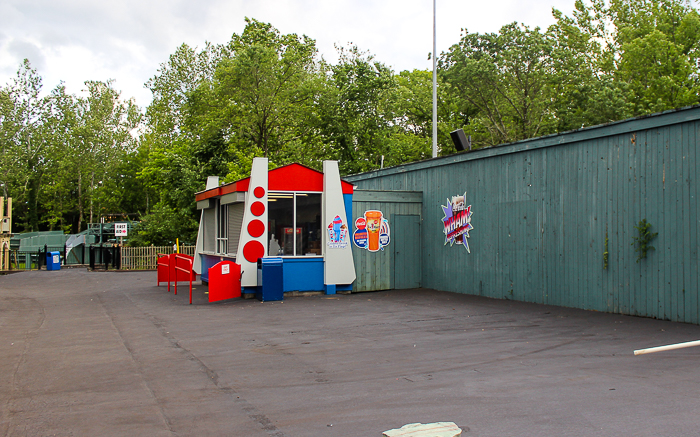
[63, 155]
[68, 160]
[507, 78]
[606, 62]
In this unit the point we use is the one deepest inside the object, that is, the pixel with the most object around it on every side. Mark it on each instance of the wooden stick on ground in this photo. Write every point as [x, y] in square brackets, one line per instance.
[667, 347]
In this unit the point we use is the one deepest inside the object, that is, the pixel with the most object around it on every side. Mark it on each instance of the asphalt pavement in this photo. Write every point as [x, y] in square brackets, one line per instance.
[111, 354]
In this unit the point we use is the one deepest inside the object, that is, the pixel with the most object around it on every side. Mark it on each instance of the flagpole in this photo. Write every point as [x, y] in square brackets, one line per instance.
[434, 80]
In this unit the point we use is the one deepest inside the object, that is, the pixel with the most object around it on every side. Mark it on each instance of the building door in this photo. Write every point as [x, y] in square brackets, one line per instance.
[406, 241]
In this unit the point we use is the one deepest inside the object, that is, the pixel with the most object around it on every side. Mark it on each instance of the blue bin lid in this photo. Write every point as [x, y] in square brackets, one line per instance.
[272, 260]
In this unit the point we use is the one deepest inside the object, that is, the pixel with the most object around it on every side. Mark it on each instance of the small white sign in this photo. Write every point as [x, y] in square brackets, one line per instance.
[56, 259]
[225, 269]
[120, 229]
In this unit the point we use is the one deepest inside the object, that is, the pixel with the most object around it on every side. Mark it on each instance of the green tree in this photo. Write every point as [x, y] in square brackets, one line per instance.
[22, 163]
[59, 204]
[163, 225]
[168, 169]
[260, 93]
[659, 44]
[412, 125]
[352, 114]
[101, 139]
[507, 77]
[587, 92]
[625, 58]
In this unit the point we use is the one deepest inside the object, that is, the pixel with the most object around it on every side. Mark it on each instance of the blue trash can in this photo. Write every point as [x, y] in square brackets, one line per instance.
[53, 260]
[270, 285]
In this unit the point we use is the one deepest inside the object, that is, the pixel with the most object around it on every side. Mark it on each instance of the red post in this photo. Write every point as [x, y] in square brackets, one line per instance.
[187, 271]
[163, 269]
[173, 269]
[190, 275]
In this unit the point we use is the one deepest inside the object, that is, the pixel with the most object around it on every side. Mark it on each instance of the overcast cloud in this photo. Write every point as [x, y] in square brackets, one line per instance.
[79, 40]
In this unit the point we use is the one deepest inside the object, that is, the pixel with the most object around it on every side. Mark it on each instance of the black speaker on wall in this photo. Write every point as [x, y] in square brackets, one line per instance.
[461, 141]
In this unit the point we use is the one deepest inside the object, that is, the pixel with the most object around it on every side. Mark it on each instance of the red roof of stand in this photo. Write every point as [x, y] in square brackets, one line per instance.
[291, 177]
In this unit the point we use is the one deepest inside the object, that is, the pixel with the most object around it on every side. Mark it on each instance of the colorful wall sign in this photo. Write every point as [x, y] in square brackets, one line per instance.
[337, 234]
[457, 221]
[372, 231]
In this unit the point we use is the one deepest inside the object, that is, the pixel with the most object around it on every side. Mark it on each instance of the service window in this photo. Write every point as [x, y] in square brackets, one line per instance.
[294, 223]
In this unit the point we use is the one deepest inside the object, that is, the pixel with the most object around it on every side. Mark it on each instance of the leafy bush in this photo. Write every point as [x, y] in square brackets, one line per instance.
[163, 226]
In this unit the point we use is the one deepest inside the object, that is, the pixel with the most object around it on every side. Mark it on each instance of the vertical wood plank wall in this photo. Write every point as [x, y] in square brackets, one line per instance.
[542, 209]
[375, 270]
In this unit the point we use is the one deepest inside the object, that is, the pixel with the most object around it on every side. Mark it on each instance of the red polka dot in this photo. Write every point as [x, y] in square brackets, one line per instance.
[256, 228]
[259, 192]
[253, 250]
[257, 208]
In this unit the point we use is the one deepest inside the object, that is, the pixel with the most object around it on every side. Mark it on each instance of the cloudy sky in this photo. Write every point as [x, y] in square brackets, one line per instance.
[127, 40]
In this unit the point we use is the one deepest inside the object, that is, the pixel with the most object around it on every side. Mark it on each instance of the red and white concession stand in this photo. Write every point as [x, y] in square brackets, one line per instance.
[293, 213]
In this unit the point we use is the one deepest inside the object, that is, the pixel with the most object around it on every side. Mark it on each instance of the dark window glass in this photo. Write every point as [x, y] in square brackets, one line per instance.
[300, 238]
[280, 216]
[309, 223]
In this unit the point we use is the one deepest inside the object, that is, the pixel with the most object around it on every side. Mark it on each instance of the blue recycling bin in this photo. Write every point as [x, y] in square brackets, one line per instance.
[270, 285]
[53, 260]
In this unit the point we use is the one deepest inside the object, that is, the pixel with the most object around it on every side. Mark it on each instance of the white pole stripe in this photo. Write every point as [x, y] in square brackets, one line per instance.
[667, 347]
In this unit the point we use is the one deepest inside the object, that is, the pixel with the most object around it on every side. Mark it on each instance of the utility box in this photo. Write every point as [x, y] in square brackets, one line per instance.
[270, 284]
[5, 219]
[53, 260]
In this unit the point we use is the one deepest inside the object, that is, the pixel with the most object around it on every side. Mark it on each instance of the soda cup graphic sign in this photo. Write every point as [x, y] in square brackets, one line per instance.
[372, 231]
[374, 220]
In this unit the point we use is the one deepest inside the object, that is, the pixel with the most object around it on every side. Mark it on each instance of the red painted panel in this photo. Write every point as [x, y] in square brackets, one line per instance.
[228, 188]
[292, 177]
[347, 187]
[208, 194]
[295, 177]
[224, 281]
[242, 185]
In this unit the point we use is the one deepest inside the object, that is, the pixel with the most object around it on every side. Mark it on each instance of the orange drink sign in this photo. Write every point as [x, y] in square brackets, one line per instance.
[372, 231]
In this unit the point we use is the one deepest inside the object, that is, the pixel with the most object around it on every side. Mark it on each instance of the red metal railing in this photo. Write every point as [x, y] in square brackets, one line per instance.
[175, 267]
[182, 263]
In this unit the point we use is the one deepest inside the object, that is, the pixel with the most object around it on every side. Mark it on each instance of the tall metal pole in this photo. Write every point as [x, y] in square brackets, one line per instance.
[434, 81]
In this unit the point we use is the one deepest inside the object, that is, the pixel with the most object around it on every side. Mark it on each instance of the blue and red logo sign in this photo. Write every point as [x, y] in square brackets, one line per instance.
[372, 231]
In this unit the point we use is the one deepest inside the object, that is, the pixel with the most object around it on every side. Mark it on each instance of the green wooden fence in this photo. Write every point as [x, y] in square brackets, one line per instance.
[555, 217]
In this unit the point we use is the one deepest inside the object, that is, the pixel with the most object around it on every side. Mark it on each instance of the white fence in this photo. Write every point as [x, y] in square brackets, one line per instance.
[146, 258]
